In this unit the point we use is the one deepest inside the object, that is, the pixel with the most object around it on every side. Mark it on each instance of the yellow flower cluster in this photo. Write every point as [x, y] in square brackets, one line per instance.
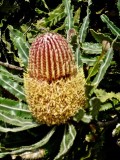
[55, 102]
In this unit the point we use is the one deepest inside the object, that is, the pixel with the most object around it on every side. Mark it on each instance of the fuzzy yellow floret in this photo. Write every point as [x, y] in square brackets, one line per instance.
[56, 102]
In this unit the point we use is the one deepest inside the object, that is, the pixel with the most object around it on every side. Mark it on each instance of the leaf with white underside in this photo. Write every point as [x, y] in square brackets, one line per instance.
[6, 73]
[15, 120]
[114, 29]
[12, 86]
[67, 141]
[91, 48]
[16, 108]
[69, 13]
[20, 43]
[18, 129]
[85, 24]
[30, 147]
[103, 67]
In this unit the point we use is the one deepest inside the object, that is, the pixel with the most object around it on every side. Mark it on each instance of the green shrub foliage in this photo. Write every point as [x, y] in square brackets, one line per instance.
[92, 132]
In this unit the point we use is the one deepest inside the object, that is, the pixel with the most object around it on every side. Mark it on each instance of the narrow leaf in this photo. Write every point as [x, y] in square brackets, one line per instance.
[69, 13]
[15, 120]
[20, 43]
[78, 116]
[18, 129]
[99, 37]
[67, 141]
[56, 15]
[30, 147]
[16, 108]
[6, 73]
[12, 86]
[91, 48]
[104, 96]
[103, 68]
[85, 24]
[95, 104]
[114, 29]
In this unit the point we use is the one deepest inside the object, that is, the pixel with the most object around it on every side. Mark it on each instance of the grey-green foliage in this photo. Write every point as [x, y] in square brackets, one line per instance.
[118, 6]
[69, 23]
[113, 28]
[15, 116]
[85, 24]
[21, 44]
[67, 141]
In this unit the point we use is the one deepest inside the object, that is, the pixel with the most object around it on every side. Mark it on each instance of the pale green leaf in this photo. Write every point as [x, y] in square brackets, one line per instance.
[23, 149]
[91, 48]
[77, 16]
[106, 106]
[116, 131]
[56, 15]
[67, 141]
[85, 24]
[78, 116]
[18, 129]
[95, 106]
[5, 72]
[21, 44]
[114, 29]
[16, 108]
[90, 61]
[104, 96]
[69, 14]
[12, 86]
[99, 37]
[15, 120]
[86, 118]
[104, 66]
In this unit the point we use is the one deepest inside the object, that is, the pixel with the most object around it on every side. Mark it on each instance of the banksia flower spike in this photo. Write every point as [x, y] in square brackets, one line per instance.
[53, 86]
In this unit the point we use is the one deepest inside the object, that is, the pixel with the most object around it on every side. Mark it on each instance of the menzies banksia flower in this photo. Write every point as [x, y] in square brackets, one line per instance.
[53, 86]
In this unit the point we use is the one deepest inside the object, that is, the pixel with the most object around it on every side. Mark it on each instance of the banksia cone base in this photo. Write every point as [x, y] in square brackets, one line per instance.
[54, 89]
[50, 58]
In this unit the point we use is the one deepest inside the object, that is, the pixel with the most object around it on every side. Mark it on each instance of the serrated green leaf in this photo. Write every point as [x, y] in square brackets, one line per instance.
[18, 129]
[103, 68]
[56, 15]
[99, 37]
[16, 108]
[15, 120]
[23, 149]
[76, 17]
[104, 96]
[91, 48]
[114, 29]
[67, 141]
[7, 43]
[106, 106]
[95, 68]
[85, 24]
[12, 86]
[90, 61]
[39, 11]
[78, 116]
[86, 118]
[95, 105]
[4, 72]
[20, 43]
[69, 23]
